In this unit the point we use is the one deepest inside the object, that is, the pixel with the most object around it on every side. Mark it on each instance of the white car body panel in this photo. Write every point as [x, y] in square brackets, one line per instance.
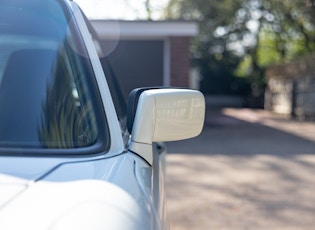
[81, 204]
[76, 186]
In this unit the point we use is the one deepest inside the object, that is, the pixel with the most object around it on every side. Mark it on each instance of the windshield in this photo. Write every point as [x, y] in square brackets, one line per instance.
[46, 96]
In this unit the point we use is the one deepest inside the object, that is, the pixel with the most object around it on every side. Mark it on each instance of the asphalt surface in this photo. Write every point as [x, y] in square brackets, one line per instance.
[249, 169]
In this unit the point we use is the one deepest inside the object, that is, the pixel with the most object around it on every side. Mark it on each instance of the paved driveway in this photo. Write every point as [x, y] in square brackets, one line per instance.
[249, 169]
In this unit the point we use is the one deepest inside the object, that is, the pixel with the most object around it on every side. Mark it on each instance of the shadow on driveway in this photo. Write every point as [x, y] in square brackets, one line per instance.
[245, 134]
[249, 169]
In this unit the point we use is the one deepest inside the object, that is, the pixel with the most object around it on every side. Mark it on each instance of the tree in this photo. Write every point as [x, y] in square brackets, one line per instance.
[148, 9]
[215, 50]
[246, 33]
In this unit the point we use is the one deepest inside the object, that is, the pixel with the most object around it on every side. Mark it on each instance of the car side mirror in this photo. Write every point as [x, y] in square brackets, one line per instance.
[161, 115]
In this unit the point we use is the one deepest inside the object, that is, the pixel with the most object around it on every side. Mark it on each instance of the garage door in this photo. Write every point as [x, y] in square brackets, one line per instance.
[137, 64]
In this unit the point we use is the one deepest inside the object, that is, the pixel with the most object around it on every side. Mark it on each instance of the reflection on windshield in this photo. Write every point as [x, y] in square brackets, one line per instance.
[45, 98]
[67, 119]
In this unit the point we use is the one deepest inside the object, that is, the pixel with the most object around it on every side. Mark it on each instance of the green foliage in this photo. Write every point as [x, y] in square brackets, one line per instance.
[243, 69]
[240, 38]
[267, 53]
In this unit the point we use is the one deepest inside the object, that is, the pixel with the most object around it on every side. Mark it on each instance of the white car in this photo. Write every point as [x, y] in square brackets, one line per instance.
[65, 159]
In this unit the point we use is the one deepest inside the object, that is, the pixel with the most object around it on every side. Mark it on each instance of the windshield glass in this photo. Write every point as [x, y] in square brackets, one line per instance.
[46, 96]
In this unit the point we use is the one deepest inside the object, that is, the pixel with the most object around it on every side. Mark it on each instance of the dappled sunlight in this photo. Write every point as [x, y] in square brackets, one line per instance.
[249, 169]
[302, 129]
[231, 192]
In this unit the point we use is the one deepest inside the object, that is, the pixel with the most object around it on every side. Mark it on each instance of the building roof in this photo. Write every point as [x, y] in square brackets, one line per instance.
[108, 29]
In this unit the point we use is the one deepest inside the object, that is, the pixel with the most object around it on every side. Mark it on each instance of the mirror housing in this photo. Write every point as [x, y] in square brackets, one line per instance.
[163, 115]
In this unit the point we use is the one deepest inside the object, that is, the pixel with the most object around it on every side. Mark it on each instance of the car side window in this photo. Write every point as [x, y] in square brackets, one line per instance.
[46, 95]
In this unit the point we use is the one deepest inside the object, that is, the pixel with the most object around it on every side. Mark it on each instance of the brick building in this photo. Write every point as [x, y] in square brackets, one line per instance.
[148, 53]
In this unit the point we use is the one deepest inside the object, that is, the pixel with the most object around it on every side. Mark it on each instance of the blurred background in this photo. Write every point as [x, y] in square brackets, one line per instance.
[253, 165]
